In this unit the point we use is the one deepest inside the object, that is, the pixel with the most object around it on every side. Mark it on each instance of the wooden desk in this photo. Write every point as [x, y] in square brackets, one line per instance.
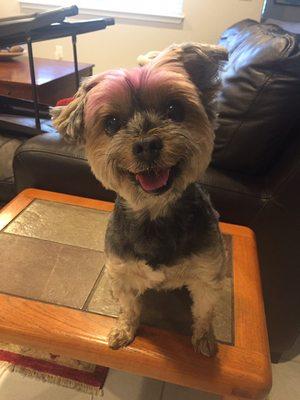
[64, 318]
[55, 79]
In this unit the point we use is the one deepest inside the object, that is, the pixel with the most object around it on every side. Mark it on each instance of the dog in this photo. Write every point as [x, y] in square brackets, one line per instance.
[148, 134]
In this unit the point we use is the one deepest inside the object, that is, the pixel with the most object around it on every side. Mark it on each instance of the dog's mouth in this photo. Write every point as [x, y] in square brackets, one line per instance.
[156, 181]
[152, 181]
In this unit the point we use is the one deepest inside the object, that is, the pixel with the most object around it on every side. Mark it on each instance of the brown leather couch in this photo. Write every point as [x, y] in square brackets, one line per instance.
[254, 178]
[8, 145]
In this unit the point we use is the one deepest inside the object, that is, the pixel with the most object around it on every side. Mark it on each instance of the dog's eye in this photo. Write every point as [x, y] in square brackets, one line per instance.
[175, 111]
[112, 124]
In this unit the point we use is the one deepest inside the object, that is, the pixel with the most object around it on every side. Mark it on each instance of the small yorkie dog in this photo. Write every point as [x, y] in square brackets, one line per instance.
[148, 134]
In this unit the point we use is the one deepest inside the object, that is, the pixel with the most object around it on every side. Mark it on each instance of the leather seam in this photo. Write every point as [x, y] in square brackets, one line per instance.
[272, 198]
[6, 181]
[242, 120]
[49, 153]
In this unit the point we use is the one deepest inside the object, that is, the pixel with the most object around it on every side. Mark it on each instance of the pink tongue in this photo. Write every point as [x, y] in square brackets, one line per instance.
[153, 181]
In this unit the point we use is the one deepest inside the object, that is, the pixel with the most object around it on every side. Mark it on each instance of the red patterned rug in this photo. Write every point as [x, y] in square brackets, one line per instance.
[53, 368]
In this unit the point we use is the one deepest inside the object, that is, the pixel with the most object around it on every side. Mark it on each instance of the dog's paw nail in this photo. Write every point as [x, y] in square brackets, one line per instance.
[119, 337]
[206, 344]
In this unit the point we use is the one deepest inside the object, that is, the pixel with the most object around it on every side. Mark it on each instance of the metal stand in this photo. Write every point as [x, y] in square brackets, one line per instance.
[33, 83]
[74, 44]
[29, 29]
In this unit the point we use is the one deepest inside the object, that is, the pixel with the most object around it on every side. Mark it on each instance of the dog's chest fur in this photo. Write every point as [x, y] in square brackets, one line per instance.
[189, 228]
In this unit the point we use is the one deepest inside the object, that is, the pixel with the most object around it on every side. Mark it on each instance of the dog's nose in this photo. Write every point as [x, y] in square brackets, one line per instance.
[148, 149]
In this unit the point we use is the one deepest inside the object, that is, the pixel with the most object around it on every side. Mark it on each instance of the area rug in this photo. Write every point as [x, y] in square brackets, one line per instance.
[53, 368]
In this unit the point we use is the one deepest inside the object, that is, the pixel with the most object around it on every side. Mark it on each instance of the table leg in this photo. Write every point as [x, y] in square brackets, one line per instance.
[33, 84]
[74, 44]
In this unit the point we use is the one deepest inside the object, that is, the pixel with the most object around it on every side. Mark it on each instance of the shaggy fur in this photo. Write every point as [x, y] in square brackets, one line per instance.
[169, 237]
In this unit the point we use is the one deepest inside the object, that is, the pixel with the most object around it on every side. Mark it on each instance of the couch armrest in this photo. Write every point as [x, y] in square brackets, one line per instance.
[277, 228]
[48, 162]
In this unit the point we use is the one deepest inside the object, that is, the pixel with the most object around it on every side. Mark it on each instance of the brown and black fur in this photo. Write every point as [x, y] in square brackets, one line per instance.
[167, 238]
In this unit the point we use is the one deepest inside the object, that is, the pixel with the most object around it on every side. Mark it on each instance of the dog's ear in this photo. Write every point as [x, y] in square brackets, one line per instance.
[69, 120]
[201, 62]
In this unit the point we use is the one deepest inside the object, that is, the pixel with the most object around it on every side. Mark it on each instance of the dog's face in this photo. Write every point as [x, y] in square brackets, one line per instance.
[148, 131]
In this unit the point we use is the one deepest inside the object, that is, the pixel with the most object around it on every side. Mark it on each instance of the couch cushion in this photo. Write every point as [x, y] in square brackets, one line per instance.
[48, 162]
[260, 98]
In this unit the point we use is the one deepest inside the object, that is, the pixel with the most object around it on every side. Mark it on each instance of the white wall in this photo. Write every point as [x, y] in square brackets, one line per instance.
[119, 45]
[9, 7]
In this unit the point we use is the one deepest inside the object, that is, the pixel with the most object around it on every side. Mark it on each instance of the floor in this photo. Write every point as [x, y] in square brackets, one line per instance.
[124, 386]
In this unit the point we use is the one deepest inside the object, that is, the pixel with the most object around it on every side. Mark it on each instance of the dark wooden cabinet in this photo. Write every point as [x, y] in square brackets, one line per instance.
[55, 79]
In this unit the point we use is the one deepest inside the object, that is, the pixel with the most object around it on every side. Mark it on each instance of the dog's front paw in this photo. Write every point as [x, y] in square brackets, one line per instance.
[205, 343]
[120, 337]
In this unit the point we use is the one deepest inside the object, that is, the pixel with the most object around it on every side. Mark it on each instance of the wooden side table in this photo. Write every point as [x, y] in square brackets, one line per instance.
[52, 298]
[55, 79]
